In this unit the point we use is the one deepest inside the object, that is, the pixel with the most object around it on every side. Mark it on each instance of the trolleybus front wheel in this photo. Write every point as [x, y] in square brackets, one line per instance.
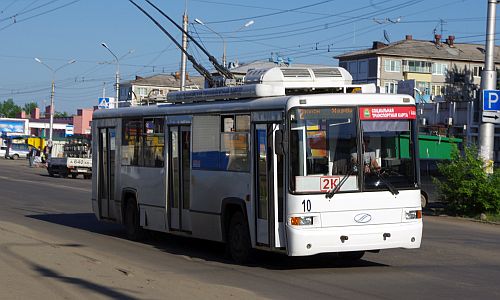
[351, 256]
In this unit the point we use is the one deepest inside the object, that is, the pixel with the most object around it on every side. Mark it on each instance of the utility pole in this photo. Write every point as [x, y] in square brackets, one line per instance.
[183, 53]
[488, 82]
[52, 111]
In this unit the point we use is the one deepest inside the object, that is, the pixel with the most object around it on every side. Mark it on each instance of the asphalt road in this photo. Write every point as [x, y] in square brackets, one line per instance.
[52, 246]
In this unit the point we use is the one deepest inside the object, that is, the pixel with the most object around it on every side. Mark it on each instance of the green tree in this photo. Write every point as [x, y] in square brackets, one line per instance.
[8, 109]
[466, 187]
[29, 107]
[59, 114]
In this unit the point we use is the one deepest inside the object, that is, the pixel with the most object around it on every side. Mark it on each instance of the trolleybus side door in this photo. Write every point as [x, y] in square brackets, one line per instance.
[106, 174]
[268, 188]
[180, 177]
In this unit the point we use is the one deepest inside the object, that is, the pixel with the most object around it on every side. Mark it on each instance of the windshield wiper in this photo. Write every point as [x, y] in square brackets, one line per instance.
[353, 169]
[389, 185]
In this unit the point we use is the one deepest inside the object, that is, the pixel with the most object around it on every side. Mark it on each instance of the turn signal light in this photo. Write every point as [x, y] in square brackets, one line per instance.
[413, 214]
[297, 221]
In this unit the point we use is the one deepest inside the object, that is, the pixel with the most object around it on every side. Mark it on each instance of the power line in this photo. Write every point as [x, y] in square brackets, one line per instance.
[272, 14]
[40, 14]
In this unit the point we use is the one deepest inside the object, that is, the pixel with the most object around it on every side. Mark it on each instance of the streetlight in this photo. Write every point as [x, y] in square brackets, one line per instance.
[117, 84]
[51, 127]
[249, 23]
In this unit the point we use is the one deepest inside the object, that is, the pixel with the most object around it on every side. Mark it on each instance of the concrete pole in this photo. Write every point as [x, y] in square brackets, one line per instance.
[117, 81]
[51, 124]
[183, 55]
[51, 128]
[488, 82]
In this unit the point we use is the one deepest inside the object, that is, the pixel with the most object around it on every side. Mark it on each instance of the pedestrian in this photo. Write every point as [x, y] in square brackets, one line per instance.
[31, 156]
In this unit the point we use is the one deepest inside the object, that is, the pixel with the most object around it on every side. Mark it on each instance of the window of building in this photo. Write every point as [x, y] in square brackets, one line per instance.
[391, 87]
[141, 91]
[477, 70]
[424, 87]
[391, 65]
[372, 68]
[437, 90]
[352, 67]
[439, 69]
[363, 68]
[417, 66]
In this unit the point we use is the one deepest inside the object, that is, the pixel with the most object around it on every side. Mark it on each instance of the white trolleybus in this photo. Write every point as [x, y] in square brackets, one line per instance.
[292, 161]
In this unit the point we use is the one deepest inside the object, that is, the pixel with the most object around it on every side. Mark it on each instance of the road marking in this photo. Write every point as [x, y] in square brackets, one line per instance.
[45, 183]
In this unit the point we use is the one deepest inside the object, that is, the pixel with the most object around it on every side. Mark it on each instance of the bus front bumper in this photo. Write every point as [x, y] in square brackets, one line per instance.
[310, 241]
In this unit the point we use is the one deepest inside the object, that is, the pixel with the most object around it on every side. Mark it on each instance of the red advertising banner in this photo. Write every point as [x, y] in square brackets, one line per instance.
[387, 113]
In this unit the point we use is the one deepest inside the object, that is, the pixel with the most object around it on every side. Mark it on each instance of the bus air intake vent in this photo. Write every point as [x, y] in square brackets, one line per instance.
[295, 73]
[326, 72]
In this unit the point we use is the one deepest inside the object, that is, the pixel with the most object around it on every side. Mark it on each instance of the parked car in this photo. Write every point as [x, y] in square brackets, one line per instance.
[16, 151]
[2, 151]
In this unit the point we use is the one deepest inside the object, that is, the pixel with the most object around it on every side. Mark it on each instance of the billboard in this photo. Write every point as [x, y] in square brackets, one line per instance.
[12, 126]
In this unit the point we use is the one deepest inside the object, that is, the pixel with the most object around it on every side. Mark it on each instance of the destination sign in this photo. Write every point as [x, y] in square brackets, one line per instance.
[388, 113]
[323, 113]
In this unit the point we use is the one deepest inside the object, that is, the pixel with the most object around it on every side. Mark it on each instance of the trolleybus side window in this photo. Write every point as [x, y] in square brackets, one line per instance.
[234, 143]
[154, 142]
[131, 142]
[321, 145]
[143, 142]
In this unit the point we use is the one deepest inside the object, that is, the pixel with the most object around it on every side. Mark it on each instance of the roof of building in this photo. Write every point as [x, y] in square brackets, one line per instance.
[425, 49]
[167, 80]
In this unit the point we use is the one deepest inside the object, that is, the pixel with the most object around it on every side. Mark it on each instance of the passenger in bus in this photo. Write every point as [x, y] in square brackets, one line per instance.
[370, 163]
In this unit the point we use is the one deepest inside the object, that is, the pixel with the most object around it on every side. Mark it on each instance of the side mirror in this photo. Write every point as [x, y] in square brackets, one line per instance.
[279, 147]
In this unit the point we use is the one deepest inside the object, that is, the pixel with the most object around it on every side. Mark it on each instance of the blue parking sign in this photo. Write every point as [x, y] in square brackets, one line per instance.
[491, 100]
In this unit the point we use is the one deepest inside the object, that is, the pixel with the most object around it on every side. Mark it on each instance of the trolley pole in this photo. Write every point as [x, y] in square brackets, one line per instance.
[488, 82]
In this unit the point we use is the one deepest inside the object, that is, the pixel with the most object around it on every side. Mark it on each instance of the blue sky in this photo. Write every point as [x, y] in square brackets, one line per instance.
[307, 31]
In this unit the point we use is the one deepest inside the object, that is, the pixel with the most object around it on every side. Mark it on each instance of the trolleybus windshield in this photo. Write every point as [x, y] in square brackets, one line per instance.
[321, 143]
[325, 147]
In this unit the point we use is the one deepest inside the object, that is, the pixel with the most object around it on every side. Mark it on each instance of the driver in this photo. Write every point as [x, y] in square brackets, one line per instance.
[369, 159]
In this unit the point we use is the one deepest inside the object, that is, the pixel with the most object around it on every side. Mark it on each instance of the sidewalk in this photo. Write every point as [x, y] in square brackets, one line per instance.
[35, 265]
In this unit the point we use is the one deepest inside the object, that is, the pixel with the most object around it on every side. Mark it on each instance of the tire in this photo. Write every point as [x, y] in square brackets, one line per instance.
[51, 173]
[15, 157]
[423, 200]
[133, 229]
[87, 176]
[351, 256]
[74, 175]
[238, 239]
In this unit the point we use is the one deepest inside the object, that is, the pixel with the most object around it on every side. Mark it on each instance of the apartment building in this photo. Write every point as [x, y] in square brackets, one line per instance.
[447, 77]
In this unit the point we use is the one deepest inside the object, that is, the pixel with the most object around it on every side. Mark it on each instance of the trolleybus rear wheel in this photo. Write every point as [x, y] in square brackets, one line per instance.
[239, 244]
[133, 228]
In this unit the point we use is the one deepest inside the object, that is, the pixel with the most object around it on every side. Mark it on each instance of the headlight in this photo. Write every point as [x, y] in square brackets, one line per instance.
[301, 221]
[413, 214]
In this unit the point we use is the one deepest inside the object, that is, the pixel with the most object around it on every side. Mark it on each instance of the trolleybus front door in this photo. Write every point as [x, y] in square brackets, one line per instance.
[268, 188]
[180, 177]
[106, 174]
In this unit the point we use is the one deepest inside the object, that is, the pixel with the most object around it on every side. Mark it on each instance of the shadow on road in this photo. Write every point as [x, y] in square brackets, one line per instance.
[84, 221]
[197, 249]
